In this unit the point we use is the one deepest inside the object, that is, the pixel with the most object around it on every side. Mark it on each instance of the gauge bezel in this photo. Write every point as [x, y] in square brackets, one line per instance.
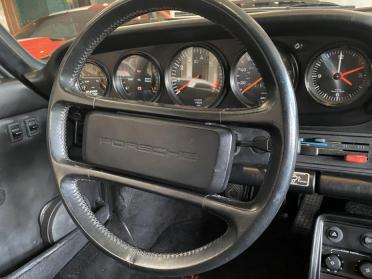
[233, 82]
[294, 63]
[118, 84]
[104, 70]
[344, 104]
[221, 60]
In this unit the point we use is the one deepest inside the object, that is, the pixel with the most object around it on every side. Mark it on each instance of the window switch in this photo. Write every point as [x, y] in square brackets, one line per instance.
[32, 127]
[15, 132]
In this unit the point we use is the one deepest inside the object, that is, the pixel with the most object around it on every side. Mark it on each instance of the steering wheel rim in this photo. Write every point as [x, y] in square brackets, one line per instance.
[246, 221]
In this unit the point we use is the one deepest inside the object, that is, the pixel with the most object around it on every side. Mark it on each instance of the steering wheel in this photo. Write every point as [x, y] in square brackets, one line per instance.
[246, 220]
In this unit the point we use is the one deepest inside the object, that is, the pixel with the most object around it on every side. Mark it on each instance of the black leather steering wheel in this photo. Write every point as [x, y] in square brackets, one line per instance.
[246, 221]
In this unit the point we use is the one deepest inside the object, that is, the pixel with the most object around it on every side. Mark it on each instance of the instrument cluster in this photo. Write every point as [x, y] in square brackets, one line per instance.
[200, 76]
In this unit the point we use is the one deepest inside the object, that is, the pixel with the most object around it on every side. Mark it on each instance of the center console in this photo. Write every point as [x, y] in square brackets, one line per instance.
[342, 248]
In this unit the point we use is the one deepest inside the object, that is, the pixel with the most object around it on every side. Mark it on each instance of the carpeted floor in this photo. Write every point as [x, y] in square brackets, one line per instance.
[176, 227]
[275, 255]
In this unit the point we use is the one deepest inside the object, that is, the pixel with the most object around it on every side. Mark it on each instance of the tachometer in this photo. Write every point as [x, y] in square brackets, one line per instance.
[247, 82]
[338, 76]
[93, 80]
[195, 77]
[138, 78]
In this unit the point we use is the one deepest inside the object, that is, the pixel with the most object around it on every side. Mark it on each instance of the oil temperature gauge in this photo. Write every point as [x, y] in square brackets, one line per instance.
[93, 80]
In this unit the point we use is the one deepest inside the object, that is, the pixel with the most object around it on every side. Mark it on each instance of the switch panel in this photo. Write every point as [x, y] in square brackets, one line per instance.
[341, 248]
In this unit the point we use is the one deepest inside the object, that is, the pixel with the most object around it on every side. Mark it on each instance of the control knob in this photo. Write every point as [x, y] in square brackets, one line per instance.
[365, 268]
[333, 262]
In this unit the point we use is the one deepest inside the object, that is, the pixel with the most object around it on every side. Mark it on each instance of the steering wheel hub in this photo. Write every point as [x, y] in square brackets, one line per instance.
[126, 143]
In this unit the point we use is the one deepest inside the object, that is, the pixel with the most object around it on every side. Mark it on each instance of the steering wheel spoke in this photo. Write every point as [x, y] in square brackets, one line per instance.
[69, 169]
[238, 215]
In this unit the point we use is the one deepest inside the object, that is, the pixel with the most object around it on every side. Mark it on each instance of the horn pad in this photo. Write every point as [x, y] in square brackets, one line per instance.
[192, 156]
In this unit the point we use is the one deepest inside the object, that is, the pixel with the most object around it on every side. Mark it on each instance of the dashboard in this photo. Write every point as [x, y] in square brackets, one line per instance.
[197, 65]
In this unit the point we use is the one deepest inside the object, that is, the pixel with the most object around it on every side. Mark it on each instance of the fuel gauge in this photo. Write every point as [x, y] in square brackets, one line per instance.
[138, 78]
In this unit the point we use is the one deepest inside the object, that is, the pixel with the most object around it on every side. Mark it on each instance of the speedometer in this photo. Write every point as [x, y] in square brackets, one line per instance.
[338, 76]
[196, 77]
[247, 82]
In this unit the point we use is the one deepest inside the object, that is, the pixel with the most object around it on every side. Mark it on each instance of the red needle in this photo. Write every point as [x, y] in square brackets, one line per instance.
[352, 71]
[346, 80]
[253, 84]
[178, 91]
[343, 74]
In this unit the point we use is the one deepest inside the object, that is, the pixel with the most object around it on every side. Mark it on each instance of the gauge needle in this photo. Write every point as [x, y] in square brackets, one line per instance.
[348, 82]
[352, 71]
[250, 86]
[178, 91]
[343, 74]
[340, 62]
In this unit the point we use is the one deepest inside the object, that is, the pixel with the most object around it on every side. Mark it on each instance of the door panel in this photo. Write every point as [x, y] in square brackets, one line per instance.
[26, 180]
[17, 99]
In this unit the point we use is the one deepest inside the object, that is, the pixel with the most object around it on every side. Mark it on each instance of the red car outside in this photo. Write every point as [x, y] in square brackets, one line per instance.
[44, 35]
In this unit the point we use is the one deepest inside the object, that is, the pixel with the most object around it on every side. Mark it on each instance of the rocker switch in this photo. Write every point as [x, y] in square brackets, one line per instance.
[32, 127]
[15, 132]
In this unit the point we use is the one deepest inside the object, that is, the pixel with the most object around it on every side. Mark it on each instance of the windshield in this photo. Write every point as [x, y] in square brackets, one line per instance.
[289, 3]
[41, 26]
